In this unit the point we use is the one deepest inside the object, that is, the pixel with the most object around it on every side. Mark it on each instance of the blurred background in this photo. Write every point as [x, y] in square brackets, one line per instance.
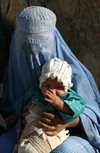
[77, 20]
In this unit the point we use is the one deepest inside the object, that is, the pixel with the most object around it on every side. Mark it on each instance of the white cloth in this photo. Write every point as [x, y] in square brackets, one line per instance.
[57, 68]
[34, 139]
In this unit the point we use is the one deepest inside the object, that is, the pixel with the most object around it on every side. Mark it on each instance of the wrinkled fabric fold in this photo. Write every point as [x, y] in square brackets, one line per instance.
[91, 131]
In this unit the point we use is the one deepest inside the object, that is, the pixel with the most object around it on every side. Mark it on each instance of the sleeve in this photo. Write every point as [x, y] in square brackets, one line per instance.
[23, 101]
[75, 103]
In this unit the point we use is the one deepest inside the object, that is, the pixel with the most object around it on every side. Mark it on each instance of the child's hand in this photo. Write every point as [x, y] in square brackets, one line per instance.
[12, 118]
[58, 103]
[54, 100]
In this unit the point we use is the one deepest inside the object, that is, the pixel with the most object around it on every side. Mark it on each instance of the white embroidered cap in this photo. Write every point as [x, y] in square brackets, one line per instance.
[57, 68]
[35, 19]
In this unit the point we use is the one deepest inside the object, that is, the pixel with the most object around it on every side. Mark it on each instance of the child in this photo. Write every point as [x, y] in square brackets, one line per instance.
[54, 96]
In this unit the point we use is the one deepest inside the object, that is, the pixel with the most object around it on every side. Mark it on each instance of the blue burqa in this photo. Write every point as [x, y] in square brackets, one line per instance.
[26, 59]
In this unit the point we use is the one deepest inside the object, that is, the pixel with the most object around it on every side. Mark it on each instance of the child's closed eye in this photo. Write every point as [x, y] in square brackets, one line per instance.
[59, 87]
[48, 86]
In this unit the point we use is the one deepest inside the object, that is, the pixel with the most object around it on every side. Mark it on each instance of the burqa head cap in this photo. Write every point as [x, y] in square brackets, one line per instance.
[35, 19]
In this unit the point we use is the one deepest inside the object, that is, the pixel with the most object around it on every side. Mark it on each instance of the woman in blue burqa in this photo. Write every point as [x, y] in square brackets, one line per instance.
[35, 41]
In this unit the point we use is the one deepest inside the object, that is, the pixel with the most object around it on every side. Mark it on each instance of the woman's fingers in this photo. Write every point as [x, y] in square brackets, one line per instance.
[50, 130]
[51, 133]
[51, 123]
[25, 113]
[47, 115]
[26, 108]
[11, 118]
[47, 127]
[24, 121]
[48, 121]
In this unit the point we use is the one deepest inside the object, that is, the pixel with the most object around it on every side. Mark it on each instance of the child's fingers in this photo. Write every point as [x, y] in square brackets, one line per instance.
[52, 97]
[50, 93]
[48, 100]
[54, 103]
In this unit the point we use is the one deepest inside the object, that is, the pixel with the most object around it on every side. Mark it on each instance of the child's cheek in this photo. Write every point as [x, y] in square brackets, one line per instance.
[44, 93]
[60, 92]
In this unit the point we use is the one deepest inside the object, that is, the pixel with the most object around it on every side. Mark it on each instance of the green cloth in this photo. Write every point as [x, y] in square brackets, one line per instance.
[75, 103]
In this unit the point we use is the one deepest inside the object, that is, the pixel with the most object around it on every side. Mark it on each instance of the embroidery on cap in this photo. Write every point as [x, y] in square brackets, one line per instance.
[32, 7]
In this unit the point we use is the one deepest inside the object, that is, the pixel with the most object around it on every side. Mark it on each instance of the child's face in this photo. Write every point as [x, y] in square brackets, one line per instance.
[52, 84]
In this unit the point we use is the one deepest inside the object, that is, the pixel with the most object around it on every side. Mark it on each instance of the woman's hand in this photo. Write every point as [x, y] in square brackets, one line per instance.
[11, 118]
[53, 124]
[26, 112]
